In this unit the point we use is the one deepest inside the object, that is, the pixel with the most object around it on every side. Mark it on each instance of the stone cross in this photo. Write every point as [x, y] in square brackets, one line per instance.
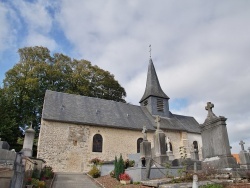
[157, 120]
[209, 109]
[242, 145]
[144, 132]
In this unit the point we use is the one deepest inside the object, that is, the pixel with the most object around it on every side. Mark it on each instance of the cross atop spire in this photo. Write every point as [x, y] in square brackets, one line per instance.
[150, 51]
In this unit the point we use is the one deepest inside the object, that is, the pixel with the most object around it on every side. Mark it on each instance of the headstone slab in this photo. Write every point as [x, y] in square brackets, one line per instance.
[244, 159]
[4, 145]
[215, 138]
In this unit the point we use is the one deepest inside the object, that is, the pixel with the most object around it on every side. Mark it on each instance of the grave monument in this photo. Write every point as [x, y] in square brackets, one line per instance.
[160, 155]
[216, 149]
[244, 157]
[145, 148]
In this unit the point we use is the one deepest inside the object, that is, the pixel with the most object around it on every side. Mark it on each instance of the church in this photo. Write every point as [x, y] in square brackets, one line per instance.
[75, 129]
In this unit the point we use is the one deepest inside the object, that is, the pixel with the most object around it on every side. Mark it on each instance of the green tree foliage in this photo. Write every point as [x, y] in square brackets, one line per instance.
[37, 71]
[8, 126]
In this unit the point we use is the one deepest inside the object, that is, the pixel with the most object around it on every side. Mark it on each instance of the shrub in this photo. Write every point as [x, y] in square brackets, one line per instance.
[37, 184]
[47, 172]
[119, 167]
[94, 172]
[36, 174]
[124, 176]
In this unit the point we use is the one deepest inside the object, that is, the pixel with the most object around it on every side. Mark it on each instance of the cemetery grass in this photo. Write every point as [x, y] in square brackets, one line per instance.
[109, 182]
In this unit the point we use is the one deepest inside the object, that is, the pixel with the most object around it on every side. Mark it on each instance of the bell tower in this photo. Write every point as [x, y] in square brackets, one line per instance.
[154, 99]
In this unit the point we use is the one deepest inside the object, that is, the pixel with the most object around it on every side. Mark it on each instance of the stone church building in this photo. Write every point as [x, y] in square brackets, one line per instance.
[75, 129]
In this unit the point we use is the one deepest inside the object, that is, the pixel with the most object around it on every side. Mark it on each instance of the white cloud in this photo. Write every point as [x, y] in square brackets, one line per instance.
[35, 15]
[6, 29]
[35, 39]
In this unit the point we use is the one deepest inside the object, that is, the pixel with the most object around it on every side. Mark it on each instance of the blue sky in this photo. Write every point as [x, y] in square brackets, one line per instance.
[200, 49]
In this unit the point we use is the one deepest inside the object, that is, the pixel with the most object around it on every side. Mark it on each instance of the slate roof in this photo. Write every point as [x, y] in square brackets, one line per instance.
[78, 109]
[153, 87]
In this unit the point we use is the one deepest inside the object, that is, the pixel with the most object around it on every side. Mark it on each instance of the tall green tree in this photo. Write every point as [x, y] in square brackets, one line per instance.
[37, 71]
[8, 125]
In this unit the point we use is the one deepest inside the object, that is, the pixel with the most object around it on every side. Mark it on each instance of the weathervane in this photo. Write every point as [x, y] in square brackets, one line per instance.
[150, 50]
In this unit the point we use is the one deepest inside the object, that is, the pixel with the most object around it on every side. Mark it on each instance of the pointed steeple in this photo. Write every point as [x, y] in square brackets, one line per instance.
[153, 87]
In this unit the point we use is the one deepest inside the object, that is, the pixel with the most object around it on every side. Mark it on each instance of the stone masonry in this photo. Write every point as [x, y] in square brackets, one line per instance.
[68, 147]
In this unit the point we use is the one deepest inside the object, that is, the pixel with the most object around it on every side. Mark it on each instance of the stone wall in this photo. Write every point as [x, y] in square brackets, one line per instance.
[68, 147]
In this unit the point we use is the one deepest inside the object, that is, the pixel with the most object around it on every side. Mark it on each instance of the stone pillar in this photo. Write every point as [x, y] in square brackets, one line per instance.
[28, 142]
[216, 149]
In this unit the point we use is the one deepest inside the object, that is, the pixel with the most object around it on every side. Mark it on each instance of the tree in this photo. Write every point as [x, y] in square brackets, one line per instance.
[37, 71]
[119, 167]
[8, 126]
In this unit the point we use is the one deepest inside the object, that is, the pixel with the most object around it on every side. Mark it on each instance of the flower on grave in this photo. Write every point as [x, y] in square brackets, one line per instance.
[124, 176]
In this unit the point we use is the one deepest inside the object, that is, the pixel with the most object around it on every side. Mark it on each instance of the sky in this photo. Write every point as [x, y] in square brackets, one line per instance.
[200, 49]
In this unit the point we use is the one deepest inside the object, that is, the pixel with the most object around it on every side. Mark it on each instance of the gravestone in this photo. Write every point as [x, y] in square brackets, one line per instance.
[160, 155]
[244, 157]
[4, 145]
[145, 148]
[216, 149]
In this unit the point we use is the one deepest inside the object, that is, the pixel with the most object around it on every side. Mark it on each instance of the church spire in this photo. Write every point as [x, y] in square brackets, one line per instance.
[153, 87]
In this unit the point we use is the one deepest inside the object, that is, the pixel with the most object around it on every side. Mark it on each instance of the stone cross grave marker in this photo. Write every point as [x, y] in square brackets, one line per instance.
[144, 132]
[209, 109]
[157, 120]
[242, 145]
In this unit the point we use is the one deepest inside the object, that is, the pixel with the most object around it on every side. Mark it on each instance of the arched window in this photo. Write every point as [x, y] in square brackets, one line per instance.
[97, 143]
[139, 140]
